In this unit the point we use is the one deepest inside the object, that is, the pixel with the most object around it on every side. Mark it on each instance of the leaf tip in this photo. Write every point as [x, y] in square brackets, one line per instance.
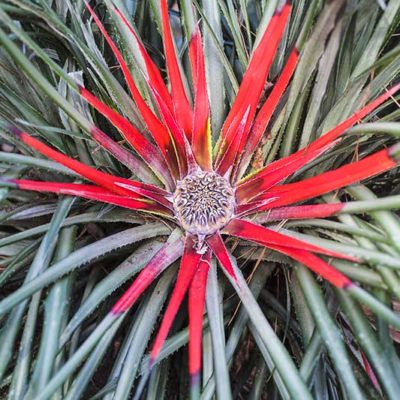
[14, 130]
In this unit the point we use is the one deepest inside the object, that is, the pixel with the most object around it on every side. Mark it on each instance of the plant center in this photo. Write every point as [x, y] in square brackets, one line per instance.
[204, 202]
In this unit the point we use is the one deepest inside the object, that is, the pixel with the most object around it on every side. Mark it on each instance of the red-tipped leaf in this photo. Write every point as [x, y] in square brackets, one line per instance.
[201, 136]
[301, 212]
[217, 246]
[117, 185]
[267, 237]
[256, 186]
[153, 75]
[90, 192]
[168, 254]
[157, 129]
[329, 137]
[317, 265]
[197, 294]
[189, 265]
[124, 156]
[306, 189]
[266, 111]
[146, 150]
[183, 150]
[183, 111]
[254, 80]
[227, 161]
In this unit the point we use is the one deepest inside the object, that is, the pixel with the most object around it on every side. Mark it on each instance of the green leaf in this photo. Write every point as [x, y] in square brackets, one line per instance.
[329, 332]
[216, 321]
[81, 257]
[367, 341]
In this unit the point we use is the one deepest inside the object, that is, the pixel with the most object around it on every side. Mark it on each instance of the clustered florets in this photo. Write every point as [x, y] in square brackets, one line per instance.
[204, 202]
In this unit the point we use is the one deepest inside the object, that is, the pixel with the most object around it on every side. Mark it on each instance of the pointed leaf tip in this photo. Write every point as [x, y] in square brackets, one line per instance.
[14, 130]
[220, 251]
[8, 183]
[189, 265]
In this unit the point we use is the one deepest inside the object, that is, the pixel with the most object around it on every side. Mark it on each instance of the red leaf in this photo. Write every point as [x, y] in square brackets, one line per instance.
[253, 81]
[266, 111]
[189, 265]
[124, 156]
[117, 185]
[329, 137]
[334, 133]
[183, 111]
[183, 149]
[300, 212]
[168, 254]
[153, 74]
[267, 237]
[149, 153]
[316, 186]
[90, 192]
[317, 265]
[217, 246]
[227, 161]
[201, 137]
[197, 293]
[158, 131]
[261, 182]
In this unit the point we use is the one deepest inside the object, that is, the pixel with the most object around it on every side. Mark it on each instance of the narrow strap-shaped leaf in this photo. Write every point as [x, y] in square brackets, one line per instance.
[227, 161]
[157, 130]
[88, 192]
[183, 111]
[83, 256]
[302, 212]
[248, 208]
[270, 177]
[267, 237]
[266, 111]
[153, 75]
[217, 246]
[254, 79]
[201, 136]
[308, 188]
[182, 149]
[279, 355]
[215, 313]
[125, 187]
[330, 334]
[330, 136]
[189, 265]
[370, 345]
[124, 156]
[146, 150]
[317, 265]
[169, 253]
[197, 295]
[160, 92]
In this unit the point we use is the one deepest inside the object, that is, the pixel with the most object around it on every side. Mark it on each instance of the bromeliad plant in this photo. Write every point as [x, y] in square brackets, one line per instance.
[203, 186]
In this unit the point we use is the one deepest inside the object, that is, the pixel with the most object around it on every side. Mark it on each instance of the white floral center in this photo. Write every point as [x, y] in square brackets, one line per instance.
[204, 202]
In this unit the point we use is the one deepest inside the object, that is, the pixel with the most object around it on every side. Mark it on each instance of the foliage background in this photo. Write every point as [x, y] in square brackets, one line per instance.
[350, 53]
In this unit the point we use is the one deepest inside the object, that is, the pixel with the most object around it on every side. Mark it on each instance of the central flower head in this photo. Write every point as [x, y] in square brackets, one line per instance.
[204, 202]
